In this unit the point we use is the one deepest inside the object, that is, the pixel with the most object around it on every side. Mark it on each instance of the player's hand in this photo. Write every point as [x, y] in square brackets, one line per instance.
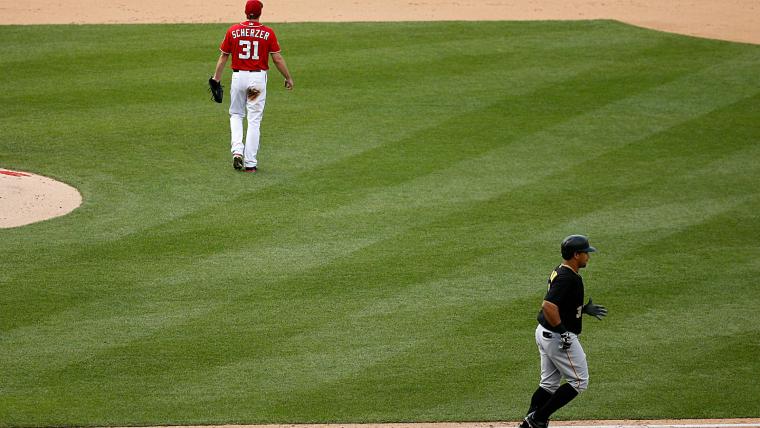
[597, 311]
[565, 340]
[289, 84]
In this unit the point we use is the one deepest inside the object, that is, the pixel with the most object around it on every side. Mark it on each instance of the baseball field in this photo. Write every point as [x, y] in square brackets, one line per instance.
[387, 261]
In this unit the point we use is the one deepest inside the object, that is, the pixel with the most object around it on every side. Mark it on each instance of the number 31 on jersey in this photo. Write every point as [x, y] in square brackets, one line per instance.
[245, 49]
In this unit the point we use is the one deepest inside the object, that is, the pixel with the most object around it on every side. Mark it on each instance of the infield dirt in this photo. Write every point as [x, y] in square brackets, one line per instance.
[735, 20]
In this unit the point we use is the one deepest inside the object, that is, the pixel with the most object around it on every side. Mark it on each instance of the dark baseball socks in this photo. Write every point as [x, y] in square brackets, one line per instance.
[539, 399]
[564, 395]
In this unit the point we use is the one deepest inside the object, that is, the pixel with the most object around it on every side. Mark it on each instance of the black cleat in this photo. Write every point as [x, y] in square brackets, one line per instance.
[534, 423]
[251, 169]
[237, 162]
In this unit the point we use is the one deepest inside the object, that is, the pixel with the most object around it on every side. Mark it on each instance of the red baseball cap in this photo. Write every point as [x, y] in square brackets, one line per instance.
[253, 7]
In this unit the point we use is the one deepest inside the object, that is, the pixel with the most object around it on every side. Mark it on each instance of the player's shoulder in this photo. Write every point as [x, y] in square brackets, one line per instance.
[267, 28]
[234, 27]
[246, 24]
[252, 25]
[563, 273]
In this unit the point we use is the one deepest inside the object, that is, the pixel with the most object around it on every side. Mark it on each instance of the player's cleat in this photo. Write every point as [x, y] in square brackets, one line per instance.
[523, 424]
[534, 423]
[251, 169]
[237, 162]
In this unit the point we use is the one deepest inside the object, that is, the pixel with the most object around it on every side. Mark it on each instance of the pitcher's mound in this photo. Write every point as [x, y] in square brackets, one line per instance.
[28, 198]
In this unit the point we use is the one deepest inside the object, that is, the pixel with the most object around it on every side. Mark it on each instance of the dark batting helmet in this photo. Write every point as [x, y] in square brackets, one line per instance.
[575, 244]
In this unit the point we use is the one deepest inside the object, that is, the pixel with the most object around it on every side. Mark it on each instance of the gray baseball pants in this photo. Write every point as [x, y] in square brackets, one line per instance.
[557, 363]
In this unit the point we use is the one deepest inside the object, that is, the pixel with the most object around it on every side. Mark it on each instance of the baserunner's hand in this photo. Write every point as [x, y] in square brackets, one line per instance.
[597, 311]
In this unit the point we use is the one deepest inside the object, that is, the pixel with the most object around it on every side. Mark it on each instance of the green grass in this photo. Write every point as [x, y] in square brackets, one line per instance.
[388, 261]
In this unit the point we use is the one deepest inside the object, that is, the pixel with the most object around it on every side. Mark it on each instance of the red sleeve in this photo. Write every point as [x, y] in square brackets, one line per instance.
[226, 45]
[274, 46]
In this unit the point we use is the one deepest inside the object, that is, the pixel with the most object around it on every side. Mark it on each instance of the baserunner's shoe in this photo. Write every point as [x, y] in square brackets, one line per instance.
[237, 162]
[534, 423]
[251, 169]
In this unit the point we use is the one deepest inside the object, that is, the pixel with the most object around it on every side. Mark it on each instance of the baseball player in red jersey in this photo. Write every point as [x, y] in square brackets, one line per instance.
[250, 44]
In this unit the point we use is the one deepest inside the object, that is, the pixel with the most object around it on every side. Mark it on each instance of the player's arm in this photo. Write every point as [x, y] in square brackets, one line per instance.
[220, 63]
[279, 62]
[551, 313]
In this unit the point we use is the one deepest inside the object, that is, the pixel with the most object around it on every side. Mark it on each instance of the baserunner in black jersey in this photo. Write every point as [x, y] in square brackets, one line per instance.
[559, 324]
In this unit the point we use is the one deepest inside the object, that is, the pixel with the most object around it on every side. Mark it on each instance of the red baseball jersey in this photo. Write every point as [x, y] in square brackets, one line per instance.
[249, 44]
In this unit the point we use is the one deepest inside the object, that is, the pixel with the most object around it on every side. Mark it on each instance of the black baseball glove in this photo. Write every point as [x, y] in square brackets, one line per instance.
[216, 89]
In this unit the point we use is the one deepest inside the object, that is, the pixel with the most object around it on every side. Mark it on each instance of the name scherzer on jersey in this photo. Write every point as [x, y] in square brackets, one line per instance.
[249, 44]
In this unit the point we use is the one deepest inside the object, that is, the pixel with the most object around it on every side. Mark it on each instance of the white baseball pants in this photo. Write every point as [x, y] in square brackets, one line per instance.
[241, 107]
[557, 363]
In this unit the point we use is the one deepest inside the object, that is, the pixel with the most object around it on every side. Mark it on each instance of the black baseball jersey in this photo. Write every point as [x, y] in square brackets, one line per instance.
[565, 291]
